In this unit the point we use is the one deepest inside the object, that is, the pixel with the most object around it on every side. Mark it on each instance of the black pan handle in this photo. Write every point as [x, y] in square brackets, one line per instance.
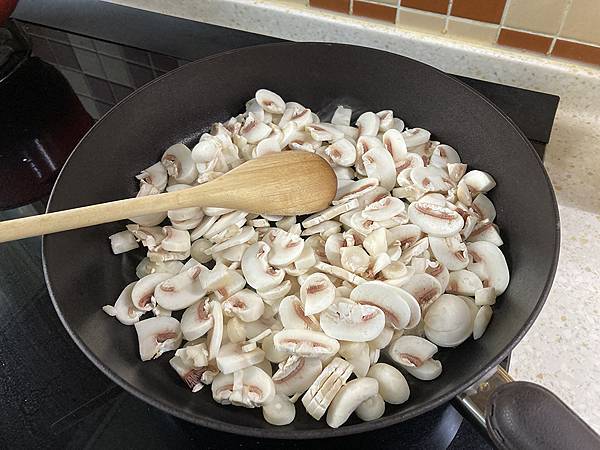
[519, 415]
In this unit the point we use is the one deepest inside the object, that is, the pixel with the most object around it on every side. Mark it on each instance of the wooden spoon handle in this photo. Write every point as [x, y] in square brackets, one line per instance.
[90, 215]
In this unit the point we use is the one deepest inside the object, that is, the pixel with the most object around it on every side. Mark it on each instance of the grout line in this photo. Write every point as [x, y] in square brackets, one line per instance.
[397, 19]
[503, 19]
[447, 19]
[351, 12]
[105, 73]
[563, 19]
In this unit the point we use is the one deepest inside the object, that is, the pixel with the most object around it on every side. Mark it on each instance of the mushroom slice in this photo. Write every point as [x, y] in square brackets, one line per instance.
[122, 242]
[415, 138]
[157, 335]
[215, 334]
[384, 209]
[256, 269]
[342, 152]
[231, 358]
[352, 322]
[142, 294]
[448, 321]
[434, 219]
[295, 112]
[149, 220]
[124, 310]
[325, 229]
[424, 288]
[203, 227]
[254, 130]
[450, 251]
[431, 179]
[338, 272]
[285, 247]
[393, 387]
[191, 363]
[296, 374]
[179, 164]
[412, 351]
[308, 343]
[389, 299]
[197, 320]
[416, 249]
[182, 290]
[321, 392]
[275, 293]
[443, 155]
[404, 235]
[368, 124]
[456, 171]
[354, 259]
[245, 305]
[478, 181]
[485, 296]
[463, 282]
[223, 222]
[375, 243]
[397, 273]
[355, 189]
[486, 231]
[270, 101]
[393, 142]
[330, 213]
[386, 120]
[150, 237]
[429, 370]
[324, 132]
[225, 285]
[341, 116]
[279, 411]
[357, 354]
[155, 176]
[489, 264]
[245, 234]
[379, 164]
[483, 208]
[333, 244]
[482, 320]
[349, 398]
[250, 387]
[198, 250]
[383, 339]
[175, 240]
[293, 316]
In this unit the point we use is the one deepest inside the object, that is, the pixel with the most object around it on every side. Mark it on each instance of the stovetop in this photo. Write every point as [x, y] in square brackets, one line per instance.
[52, 396]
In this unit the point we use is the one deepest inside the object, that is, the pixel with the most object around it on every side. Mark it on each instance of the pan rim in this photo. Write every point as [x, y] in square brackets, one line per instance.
[282, 433]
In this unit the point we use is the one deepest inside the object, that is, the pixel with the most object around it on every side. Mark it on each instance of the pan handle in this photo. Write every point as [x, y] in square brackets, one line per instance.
[522, 415]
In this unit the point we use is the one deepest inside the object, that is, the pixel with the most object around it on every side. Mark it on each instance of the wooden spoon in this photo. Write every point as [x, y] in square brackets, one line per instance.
[287, 183]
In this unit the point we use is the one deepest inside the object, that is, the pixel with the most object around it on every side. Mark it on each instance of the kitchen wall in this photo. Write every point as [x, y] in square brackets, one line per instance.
[555, 28]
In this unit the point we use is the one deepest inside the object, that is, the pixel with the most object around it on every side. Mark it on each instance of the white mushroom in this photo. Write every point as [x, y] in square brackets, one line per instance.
[393, 387]
[215, 334]
[321, 392]
[293, 315]
[191, 364]
[429, 370]
[324, 229]
[443, 155]
[232, 357]
[371, 409]
[157, 335]
[463, 282]
[349, 398]
[324, 132]
[245, 305]
[355, 189]
[415, 138]
[368, 124]
[383, 340]
[279, 411]
[307, 343]
[254, 130]
[482, 320]
[235, 330]
[295, 112]
[179, 164]
[386, 120]
[285, 247]
[142, 294]
[330, 213]
[485, 296]
[450, 251]
[342, 152]
[352, 322]
[424, 288]
[175, 240]
[431, 179]
[486, 231]
[472, 184]
[124, 310]
[412, 351]
[489, 264]
[448, 321]
[122, 242]
[203, 227]
[317, 293]
[379, 164]
[394, 144]
[250, 388]
[456, 171]
[296, 374]
[384, 209]
[341, 116]
[357, 354]
[180, 291]
[389, 299]
[198, 250]
[483, 208]
[256, 269]
[270, 101]
[354, 259]
[434, 219]
[197, 320]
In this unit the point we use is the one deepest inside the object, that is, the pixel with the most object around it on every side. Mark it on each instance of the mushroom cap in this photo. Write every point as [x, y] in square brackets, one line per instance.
[489, 264]
[157, 335]
[317, 292]
[296, 374]
[389, 299]
[308, 343]
[349, 398]
[352, 321]
[250, 387]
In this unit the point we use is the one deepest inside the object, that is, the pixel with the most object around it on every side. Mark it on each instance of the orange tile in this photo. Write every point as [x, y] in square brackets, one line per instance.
[436, 6]
[580, 52]
[526, 41]
[482, 10]
[342, 6]
[374, 11]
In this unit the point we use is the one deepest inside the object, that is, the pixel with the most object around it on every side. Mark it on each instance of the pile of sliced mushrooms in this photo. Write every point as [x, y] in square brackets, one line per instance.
[404, 261]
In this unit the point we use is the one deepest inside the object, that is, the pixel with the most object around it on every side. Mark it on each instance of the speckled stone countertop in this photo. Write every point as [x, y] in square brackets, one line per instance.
[560, 350]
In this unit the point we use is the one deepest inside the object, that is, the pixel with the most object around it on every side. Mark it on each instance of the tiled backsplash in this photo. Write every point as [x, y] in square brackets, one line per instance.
[557, 28]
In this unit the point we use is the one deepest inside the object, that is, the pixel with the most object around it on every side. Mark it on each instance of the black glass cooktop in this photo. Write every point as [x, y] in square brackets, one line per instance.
[51, 395]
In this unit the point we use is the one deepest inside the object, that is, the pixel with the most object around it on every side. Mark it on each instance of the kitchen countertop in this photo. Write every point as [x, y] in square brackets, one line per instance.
[560, 350]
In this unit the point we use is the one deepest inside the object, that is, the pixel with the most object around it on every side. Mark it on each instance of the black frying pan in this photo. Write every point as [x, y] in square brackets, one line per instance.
[82, 273]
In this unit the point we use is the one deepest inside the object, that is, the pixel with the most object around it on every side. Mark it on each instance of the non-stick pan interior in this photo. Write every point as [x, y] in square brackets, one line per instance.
[83, 274]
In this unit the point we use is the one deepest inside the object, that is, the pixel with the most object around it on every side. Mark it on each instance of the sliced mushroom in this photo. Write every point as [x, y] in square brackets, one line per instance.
[142, 294]
[489, 264]
[448, 321]
[368, 124]
[285, 247]
[250, 388]
[463, 282]
[215, 334]
[246, 305]
[232, 357]
[389, 299]
[275, 293]
[122, 242]
[379, 164]
[256, 269]
[357, 354]
[434, 219]
[483, 208]
[182, 290]
[393, 387]
[279, 411]
[371, 409]
[376, 242]
[321, 392]
[157, 335]
[254, 130]
[296, 374]
[203, 227]
[324, 229]
[485, 296]
[317, 293]
[429, 370]
[124, 310]
[341, 116]
[431, 179]
[394, 144]
[443, 155]
[354, 259]
[198, 249]
[352, 322]
[349, 398]
[486, 231]
[397, 273]
[416, 138]
[270, 101]
[450, 251]
[324, 132]
[191, 363]
[412, 351]
[384, 209]
[293, 315]
[418, 248]
[197, 320]
[308, 343]
[179, 164]
[482, 320]
[295, 112]
[330, 213]
[456, 171]
[342, 152]
[424, 288]
[355, 189]
[235, 330]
